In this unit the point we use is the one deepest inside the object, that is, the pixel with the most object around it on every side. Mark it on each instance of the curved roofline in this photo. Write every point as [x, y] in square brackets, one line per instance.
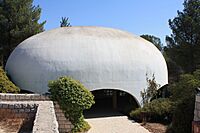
[99, 27]
[102, 27]
[108, 28]
[112, 88]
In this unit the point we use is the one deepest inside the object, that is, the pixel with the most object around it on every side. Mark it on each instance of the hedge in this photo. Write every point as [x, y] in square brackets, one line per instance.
[73, 98]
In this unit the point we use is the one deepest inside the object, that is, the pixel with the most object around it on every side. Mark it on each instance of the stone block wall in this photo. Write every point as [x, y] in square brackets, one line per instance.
[15, 110]
[23, 113]
[197, 108]
[64, 125]
[23, 97]
[196, 121]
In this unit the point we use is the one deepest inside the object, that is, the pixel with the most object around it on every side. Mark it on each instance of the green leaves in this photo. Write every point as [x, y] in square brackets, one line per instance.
[65, 22]
[185, 87]
[6, 86]
[156, 110]
[184, 44]
[18, 21]
[151, 90]
[183, 96]
[73, 98]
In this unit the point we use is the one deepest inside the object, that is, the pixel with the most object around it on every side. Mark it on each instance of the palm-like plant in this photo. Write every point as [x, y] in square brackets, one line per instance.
[65, 22]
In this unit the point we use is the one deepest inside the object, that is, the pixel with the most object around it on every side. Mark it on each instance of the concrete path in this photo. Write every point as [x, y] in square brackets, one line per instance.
[115, 124]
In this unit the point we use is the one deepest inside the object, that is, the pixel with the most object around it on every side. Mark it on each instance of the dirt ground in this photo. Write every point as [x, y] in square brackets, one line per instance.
[155, 127]
[17, 125]
[10, 125]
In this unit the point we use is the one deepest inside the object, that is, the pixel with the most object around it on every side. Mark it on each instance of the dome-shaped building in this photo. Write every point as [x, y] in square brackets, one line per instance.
[100, 58]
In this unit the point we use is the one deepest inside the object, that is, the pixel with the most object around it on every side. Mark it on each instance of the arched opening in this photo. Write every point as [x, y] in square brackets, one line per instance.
[110, 102]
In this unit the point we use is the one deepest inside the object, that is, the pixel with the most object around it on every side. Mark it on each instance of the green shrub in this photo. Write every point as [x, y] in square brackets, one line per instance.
[183, 117]
[137, 114]
[183, 95]
[6, 86]
[73, 98]
[157, 110]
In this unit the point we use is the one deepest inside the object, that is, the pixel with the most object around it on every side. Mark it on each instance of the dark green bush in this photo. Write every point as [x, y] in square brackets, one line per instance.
[6, 86]
[183, 117]
[73, 98]
[183, 95]
[159, 110]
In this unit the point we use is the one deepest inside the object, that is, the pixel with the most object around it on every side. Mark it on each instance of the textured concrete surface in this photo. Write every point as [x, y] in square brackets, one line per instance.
[45, 119]
[117, 124]
[100, 58]
[15, 102]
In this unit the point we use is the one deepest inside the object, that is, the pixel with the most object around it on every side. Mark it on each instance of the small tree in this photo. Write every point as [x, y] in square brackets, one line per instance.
[65, 22]
[73, 98]
[151, 90]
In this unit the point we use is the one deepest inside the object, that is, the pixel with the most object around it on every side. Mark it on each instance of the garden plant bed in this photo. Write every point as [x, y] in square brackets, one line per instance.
[155, 127]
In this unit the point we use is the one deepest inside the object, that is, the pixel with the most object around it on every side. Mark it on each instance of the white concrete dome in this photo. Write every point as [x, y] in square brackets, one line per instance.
[100, 58]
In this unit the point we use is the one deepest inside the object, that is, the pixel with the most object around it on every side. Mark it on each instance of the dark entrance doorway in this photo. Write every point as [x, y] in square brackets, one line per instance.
[109, 102]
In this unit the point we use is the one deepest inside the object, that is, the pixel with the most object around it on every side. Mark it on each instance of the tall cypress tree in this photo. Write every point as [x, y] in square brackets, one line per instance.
[183, 45]
[18, 21]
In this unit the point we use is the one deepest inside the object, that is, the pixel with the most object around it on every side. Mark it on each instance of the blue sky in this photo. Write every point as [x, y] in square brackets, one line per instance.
[135, 16]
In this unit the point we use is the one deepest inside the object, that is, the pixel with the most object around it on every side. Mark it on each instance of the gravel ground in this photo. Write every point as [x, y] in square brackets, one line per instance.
[116, 124]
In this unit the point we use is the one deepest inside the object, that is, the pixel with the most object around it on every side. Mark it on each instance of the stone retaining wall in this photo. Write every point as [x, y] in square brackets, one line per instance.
[23, 97]
[196, 122]
[14, 100]
[64, 124]
[21, 114]
[17, 110]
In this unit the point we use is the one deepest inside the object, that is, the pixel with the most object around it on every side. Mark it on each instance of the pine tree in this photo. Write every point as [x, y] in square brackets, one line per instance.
[18, 21]
[183, 45]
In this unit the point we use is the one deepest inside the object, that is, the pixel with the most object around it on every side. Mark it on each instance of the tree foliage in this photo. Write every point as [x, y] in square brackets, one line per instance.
[183, 96]
[18, 21]
[73, 98]
[174, 70]
[6, 86]
[158, 110]
[151, 90]
[65, 22]
[153, 39]
[184, 43]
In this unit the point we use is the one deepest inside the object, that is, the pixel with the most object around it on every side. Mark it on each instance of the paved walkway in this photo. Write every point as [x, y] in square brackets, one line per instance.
[115, 124]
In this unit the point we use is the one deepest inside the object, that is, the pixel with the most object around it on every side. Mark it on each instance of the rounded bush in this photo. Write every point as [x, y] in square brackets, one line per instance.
[73, 98]
[157, 110]
[6, 86]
